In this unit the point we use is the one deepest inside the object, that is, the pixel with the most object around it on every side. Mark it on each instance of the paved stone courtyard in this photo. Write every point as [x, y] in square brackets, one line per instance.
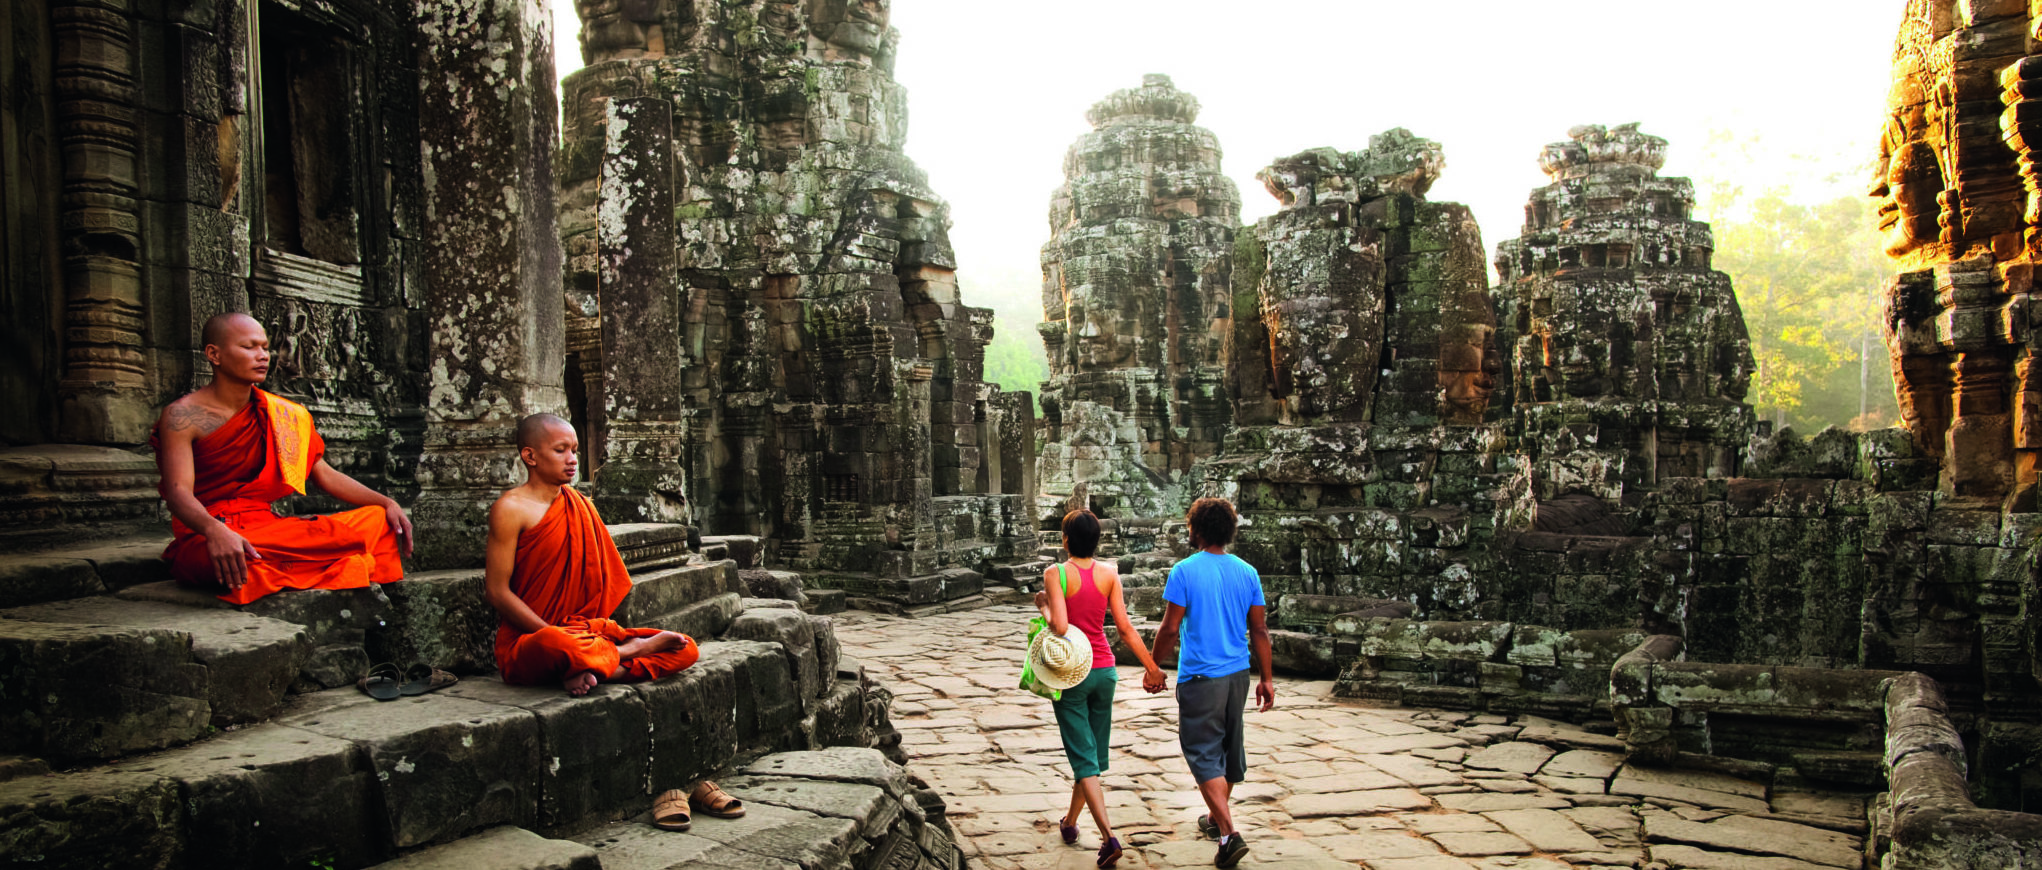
[1331, 783]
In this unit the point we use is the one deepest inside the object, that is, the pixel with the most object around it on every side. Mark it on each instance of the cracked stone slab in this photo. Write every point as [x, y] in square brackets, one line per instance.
[1763, 836]
[1700, 788]
[1691, 858]
[1546, 830]
[1354, 803]
[92, 819]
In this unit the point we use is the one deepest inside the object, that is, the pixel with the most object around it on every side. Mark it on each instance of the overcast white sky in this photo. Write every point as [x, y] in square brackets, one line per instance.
[998, 91]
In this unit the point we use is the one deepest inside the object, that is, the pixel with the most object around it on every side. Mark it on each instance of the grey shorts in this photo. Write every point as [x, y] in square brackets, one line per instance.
[1209, 725]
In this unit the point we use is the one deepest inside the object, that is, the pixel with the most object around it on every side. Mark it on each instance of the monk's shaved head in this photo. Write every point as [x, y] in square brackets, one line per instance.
[220, 328]
[533, 429]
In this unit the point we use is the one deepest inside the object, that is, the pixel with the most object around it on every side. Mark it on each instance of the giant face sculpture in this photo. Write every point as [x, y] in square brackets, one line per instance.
[1907, 180]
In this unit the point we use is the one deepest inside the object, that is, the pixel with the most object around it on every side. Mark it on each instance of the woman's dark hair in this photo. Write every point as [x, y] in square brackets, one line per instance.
[1212, 522]
[1081, 534]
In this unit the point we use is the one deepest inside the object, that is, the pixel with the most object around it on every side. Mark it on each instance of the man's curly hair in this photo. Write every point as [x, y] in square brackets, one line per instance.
[1212, 522]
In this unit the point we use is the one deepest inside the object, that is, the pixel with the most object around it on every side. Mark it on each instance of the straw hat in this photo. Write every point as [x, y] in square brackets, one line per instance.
[1060, 662]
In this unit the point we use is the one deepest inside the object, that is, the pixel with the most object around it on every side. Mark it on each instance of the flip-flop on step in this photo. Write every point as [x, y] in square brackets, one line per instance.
[382, 683]
[670, 811]
[714, 801]
[420, 679]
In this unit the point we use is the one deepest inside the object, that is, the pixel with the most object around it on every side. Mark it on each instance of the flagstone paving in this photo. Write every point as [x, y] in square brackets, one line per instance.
[1332, 784]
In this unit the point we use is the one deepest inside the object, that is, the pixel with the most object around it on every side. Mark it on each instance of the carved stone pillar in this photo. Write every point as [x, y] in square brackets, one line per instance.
[492, 270]
[104, 393]
[640, 475]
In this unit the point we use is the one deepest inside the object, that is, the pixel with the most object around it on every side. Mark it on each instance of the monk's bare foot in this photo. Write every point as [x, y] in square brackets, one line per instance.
[581, 683]
[651, 644]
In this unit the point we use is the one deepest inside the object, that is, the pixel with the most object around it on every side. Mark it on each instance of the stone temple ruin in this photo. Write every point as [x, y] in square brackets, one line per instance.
[1542, 497]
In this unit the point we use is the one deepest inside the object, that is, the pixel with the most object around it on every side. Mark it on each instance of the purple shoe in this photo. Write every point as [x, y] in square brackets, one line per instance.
[1070, 832]
[1109, 854]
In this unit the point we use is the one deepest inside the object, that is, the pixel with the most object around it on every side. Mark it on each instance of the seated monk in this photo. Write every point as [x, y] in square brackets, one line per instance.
[227, 450]
[554, 577]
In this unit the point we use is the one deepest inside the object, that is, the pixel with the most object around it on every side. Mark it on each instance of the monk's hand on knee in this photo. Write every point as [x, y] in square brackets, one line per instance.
[400, 525]
[231, 554]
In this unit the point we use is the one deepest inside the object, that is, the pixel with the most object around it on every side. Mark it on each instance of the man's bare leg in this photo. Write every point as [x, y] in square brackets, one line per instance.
[652, 644]
[1217, 791]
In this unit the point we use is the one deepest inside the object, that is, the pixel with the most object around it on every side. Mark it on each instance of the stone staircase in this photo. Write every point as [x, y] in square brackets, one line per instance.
[183, 731]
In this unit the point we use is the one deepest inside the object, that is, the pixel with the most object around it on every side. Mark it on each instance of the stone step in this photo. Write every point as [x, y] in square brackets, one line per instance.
[341, 780]
[73, 494]
[505, 848]
[824, 601]
[946, 585]
[82, 571]
[249, 661]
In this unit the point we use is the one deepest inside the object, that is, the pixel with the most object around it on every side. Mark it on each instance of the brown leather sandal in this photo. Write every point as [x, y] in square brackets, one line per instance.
[711, 800]
[670, 811]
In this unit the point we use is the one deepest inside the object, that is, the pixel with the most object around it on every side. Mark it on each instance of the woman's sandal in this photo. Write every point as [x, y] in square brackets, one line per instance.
[708, 799]
[382, 683]
[670, 811]
[1068, 831]
[420, 679]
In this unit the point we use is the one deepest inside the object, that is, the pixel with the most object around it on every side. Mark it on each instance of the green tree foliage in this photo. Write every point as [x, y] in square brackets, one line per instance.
[1015, 359]
[1808, 278]
[1806, 260]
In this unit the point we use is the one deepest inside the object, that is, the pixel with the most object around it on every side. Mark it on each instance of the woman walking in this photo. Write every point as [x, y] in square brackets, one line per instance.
[1081, 591]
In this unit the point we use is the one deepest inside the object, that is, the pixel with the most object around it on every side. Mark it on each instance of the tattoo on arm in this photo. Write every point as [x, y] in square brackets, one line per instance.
[192, 416]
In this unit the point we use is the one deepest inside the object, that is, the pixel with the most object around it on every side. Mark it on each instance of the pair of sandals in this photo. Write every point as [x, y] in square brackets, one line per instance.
[385, 683]
[1109, 851]
[670, 810]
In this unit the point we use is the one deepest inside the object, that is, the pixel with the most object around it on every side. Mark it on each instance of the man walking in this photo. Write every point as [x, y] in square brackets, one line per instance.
[1217, 601]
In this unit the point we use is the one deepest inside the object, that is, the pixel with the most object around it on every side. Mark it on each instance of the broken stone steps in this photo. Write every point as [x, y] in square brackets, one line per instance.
[342, 780]
[902, 595]
[75, 494]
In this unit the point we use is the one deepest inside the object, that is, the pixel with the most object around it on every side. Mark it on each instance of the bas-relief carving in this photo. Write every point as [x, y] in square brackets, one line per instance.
[1951, 190]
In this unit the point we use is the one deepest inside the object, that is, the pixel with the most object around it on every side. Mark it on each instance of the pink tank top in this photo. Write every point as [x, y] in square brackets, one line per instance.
[1085, 606]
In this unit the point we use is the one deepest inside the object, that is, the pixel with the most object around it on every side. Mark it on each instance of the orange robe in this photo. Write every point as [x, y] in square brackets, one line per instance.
[568, 571]
[263, 453]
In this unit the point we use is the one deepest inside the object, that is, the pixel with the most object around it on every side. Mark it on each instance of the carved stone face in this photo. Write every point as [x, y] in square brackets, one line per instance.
[1906, 184]
[1465, 388]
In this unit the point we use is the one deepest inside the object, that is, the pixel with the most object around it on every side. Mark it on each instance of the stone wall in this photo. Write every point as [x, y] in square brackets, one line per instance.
[813, 374]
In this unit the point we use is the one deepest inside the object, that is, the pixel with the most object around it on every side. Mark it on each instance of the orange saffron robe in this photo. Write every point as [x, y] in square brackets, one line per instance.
[569, 572]
[263, 453]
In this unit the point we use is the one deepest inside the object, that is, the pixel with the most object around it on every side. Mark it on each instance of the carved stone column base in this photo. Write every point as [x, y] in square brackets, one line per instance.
[464, 468]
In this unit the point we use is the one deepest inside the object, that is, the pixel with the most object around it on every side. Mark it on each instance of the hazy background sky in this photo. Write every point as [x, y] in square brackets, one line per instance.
[998, 91]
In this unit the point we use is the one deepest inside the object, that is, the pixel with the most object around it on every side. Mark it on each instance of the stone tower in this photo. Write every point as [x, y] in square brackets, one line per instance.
[1135, 301]
[763, 303]
[1631, 358]
[1364, 348]
[1959, 211]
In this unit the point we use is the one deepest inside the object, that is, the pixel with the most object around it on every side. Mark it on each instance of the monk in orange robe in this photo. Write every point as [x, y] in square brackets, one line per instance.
[554, 577]
[227, 450]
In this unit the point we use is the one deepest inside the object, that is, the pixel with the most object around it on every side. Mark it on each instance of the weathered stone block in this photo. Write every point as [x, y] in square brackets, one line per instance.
[273, 796]
[249, 660]
[94, 691]
[795, 635]
[439, 618]
[703, 619]
[593, 749]
[658, 593]
[445, 765]
[91, 820]
[33, 580]
[696, 718]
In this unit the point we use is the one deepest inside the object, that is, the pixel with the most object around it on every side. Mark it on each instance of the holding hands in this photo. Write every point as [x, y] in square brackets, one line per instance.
[1153, 681]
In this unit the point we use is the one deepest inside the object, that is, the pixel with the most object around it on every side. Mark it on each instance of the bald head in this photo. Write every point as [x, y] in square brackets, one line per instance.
[220, 329]
[532, 430]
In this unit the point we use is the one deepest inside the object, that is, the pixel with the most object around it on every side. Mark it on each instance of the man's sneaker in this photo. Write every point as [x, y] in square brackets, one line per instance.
[1231, 850]
[1208, 827]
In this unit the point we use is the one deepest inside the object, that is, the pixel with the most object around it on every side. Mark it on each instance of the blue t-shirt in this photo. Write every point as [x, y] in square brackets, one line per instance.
[1215, 592]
